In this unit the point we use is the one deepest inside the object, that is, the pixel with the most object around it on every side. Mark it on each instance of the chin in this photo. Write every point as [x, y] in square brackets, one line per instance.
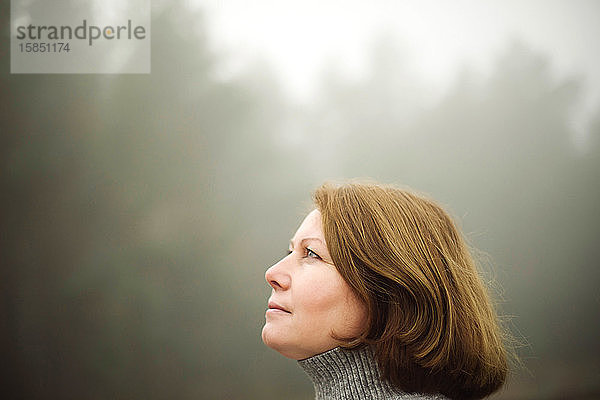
[276, 340]
[271, 338]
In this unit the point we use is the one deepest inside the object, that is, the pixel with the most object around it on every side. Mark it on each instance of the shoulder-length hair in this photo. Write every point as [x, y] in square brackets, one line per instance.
[430, 319]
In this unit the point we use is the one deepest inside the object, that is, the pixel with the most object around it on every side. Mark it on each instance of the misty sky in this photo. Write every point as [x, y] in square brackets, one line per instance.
[299, 38]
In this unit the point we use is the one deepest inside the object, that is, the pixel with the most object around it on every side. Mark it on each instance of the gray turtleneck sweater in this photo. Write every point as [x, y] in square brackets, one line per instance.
[340, 374]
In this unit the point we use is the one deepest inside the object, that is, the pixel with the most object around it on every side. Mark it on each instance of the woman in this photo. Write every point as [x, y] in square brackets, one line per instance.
[379, 298]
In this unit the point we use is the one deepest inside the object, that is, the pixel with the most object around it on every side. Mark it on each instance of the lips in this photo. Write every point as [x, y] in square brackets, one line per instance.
[274, 306]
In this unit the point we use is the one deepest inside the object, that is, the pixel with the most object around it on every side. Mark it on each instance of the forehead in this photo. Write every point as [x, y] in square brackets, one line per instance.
[311, 226]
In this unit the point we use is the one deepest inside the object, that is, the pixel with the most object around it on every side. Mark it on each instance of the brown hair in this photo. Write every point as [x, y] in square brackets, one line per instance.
[430, 319]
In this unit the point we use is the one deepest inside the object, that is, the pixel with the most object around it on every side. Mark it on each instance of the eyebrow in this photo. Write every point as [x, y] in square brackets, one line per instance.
[326, 258]
[305, 239]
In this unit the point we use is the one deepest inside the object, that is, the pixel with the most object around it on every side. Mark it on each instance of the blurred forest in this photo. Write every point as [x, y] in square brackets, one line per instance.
[139, 212]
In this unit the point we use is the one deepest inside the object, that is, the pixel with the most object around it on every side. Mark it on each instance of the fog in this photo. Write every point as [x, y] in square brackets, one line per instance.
[139, 212]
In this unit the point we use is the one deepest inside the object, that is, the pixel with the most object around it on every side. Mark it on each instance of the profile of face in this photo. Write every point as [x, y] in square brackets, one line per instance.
[310, 301]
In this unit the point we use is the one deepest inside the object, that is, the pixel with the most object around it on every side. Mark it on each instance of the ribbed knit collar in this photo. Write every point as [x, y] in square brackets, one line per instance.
[341, 374]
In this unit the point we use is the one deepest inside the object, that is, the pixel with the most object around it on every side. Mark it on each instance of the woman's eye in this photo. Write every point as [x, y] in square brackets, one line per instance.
[288, 252]
[312, 254]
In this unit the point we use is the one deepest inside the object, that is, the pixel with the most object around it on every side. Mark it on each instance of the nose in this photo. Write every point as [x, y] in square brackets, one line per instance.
[278, 276]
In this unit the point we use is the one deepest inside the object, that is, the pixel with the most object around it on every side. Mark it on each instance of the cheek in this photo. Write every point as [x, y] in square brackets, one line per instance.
[320, 296]
[355, 320]
[329, 303]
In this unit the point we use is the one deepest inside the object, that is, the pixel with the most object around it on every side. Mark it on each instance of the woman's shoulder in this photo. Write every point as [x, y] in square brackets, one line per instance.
[416, 396]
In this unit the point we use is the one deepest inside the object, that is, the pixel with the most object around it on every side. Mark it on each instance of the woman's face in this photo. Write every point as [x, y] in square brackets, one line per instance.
[310, 300]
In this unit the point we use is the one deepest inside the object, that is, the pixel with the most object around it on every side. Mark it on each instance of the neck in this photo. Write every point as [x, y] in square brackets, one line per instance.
[340, 374]
[347, 374]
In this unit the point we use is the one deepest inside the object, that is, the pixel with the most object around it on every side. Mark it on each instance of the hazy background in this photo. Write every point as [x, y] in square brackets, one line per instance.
[139, 212]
